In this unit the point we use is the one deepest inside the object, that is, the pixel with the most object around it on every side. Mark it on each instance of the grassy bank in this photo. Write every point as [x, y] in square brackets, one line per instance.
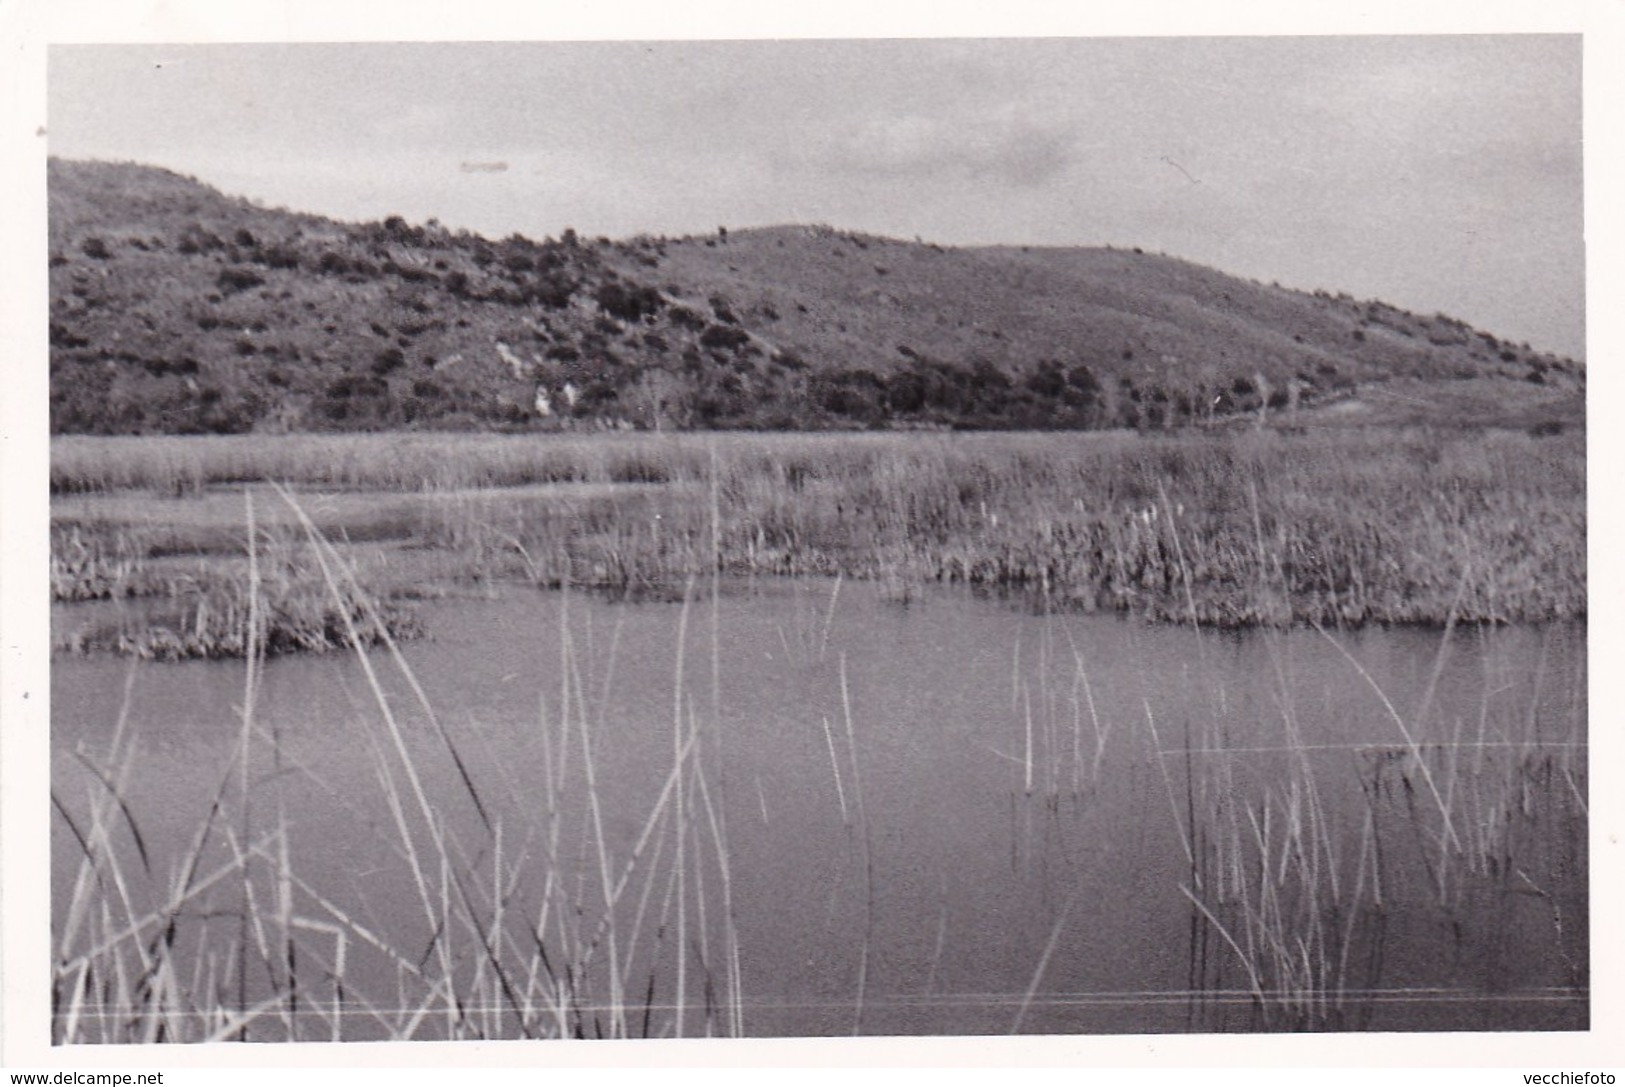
[1336, 527]
[396, 462]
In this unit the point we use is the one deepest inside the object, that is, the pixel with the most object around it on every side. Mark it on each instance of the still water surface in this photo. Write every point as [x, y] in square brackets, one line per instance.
[945, 816]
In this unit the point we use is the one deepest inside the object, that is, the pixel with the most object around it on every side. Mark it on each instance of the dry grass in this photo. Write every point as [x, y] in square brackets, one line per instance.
[391, 462]
[1339, 528]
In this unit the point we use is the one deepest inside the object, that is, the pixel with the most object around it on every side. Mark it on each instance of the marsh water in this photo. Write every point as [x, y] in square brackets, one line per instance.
[934, 815]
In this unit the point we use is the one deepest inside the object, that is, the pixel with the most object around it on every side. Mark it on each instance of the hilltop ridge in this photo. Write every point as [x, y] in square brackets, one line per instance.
[176, 308]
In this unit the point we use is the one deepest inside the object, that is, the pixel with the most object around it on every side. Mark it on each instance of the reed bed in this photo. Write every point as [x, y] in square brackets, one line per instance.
[539, 909]
[1337, 528]
[541, 922]
[395, 462]
[1456, 814]
[213, 609]
[106, 566]
[1279, 891]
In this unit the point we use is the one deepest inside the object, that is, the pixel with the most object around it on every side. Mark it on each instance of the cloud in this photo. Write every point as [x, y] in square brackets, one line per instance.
[1013, 151]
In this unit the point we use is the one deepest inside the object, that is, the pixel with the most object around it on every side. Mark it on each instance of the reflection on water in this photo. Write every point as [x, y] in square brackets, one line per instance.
[818, 812]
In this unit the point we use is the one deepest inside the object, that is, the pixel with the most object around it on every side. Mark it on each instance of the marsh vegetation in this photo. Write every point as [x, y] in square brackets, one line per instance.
[1265, 530]
[817, 734]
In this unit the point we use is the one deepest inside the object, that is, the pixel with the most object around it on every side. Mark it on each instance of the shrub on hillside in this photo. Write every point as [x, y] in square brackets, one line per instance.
[158, 367]
[195, 239]
[550, 289]
[723, 309]
[905, 392]
[332, 263]
[388, 360]
[356, 385]
[724, 338]
[859, 395]
[278, 256]
[1047, 381]
[233, 280]
[218, 413]
[628, 302]
[683, 317]
[990, 386]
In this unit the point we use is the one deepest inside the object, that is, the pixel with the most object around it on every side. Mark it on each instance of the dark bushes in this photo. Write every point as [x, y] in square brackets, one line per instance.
[724, 338]
[388, 360]
[631, 303]
[233, 280]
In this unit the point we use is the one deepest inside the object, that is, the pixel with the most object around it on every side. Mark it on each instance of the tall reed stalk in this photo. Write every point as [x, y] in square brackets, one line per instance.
[236, 943]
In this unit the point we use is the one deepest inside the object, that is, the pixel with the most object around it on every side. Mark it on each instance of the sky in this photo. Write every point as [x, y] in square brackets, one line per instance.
[1440, 173]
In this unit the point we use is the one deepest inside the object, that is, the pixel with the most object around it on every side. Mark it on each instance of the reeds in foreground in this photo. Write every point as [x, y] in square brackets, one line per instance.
[1298, 891]
[518, 932]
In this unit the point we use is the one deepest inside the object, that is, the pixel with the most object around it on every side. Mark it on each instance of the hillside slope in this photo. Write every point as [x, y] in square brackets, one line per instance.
[177, 309]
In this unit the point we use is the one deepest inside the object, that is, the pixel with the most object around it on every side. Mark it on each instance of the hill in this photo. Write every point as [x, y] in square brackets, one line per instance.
[177, 309]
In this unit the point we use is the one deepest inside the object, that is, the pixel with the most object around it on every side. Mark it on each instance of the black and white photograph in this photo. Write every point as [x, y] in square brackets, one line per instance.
[934, 535]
